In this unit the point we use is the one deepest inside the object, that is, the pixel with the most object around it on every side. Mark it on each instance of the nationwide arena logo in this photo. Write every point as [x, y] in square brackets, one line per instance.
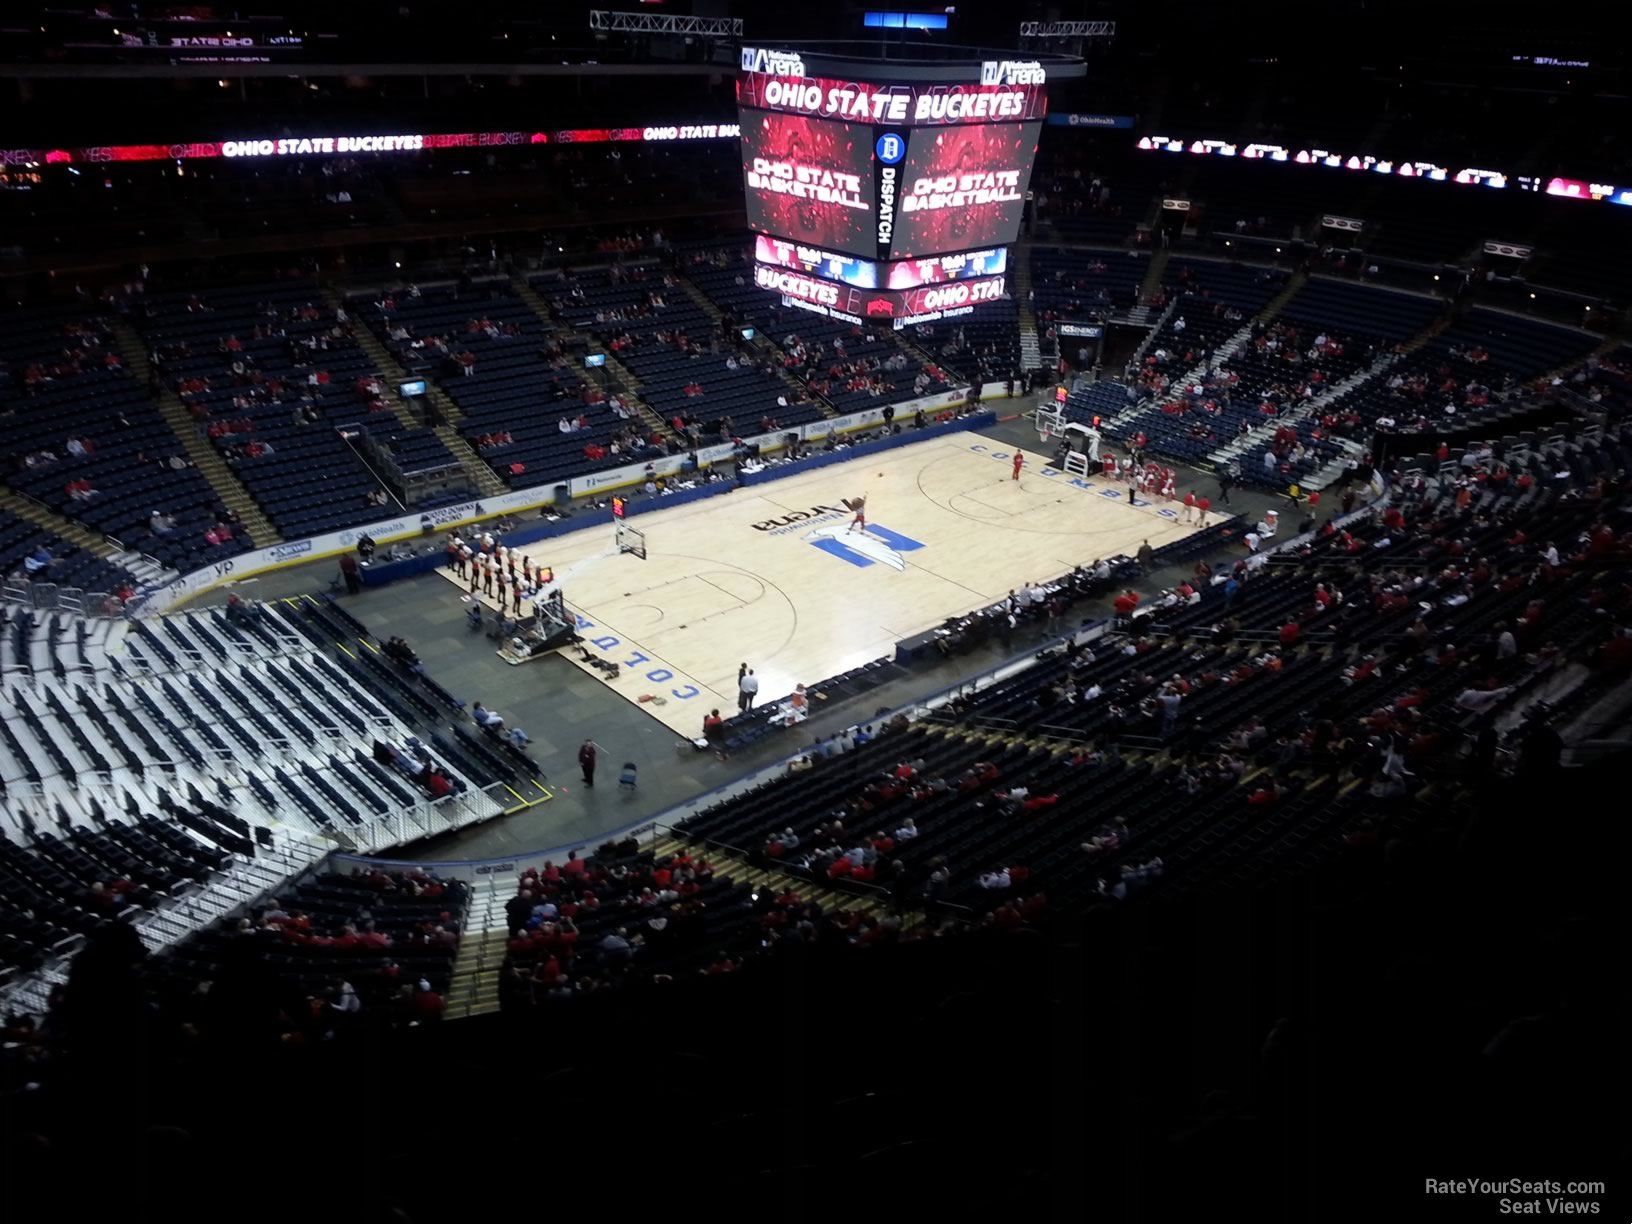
[772, 63]
[806, 182]
[1012, 72]
[873, 546]
[801, 518]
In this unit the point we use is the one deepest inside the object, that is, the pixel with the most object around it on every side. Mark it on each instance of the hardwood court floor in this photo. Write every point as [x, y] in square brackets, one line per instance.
[767, 575]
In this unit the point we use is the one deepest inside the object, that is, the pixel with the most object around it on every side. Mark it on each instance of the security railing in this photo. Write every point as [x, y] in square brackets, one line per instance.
[53, 597]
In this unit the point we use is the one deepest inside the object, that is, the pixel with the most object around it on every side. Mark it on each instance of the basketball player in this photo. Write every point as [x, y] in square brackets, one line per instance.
[1019, 462]
[858, 506]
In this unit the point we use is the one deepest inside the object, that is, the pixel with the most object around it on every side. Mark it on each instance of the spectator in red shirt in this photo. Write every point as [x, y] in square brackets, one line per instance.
[428, 1005]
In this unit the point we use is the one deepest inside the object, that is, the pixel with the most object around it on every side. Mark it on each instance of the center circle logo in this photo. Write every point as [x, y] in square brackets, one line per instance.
[891, 148]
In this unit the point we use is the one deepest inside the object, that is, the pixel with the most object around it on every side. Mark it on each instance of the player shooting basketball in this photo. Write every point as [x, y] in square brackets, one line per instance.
[858, 507]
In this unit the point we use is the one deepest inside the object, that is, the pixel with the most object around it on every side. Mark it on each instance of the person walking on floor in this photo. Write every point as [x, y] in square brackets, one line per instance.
[1133, 489]
[586, 761]
[1226, 478]
[1019, 462]
[1146, 557]
[747, 690]
[350, 572]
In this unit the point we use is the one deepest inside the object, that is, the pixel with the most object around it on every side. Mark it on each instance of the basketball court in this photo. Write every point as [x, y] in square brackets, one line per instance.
[770, 575]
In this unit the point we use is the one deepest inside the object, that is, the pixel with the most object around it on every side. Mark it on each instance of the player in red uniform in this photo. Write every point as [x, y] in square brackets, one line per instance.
[1019, 462]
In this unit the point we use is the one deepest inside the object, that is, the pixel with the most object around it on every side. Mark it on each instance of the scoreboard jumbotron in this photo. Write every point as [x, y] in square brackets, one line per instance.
[882, 188]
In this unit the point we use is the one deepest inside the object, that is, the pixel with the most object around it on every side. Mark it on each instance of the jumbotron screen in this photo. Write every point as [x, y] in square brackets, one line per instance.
[810, 179]
[863, 181]
[868, 274]
[902, 306]
[962, 188]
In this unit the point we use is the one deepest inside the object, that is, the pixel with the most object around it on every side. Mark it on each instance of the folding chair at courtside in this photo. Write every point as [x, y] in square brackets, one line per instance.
[627, 777]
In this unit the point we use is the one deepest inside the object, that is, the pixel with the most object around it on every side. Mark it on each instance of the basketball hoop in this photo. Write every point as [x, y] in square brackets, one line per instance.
[630, 540]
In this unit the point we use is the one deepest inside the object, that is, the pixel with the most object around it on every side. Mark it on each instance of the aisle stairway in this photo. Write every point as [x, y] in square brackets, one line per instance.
[1153, 276]
[481, 474]
[766, 344]
[1031, 352]
[146, 570]
[1223, 353]
[1305, 410]
[474, 988]
[1273, 307]
[57, 524]
[729, 863]
[205, 458]
[623, 378]
[528, 294]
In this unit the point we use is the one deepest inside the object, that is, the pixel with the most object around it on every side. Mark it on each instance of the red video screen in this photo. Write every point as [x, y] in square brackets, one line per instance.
[853, 304]
[779, 252]
[939, 269]
[963, 187]
[810, 180]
